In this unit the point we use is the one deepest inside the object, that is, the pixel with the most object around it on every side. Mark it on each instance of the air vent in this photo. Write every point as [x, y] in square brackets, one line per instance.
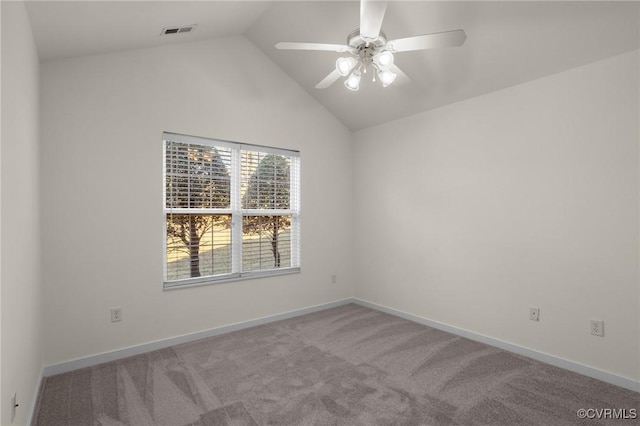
[177, 30]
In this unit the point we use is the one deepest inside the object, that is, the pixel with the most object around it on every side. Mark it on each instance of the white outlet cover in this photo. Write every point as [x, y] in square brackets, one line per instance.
[597, 328]
[534, 314]
[116, 314]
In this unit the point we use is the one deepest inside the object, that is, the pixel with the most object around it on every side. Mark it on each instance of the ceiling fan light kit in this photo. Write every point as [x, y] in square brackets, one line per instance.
[369, 48]
[366, 54]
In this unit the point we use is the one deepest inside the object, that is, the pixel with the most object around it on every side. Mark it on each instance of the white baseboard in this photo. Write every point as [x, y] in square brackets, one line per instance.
[92, 360]
[595, 373]
[576, 367]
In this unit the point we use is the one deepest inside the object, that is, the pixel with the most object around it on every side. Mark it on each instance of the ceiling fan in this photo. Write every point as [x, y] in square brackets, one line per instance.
[369, 48]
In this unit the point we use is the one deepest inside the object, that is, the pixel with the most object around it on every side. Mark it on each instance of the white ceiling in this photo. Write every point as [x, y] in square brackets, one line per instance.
[508, 42]
[64, 29]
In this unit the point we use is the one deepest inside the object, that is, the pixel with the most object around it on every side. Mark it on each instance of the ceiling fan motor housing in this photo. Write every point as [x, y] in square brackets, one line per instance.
[366, 49]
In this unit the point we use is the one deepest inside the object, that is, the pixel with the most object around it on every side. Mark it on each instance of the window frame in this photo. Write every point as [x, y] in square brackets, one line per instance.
[236, 211]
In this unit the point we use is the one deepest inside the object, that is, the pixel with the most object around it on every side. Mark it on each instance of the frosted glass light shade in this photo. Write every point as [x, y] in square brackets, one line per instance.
[345, 65]
[386, 77]
[383, 60]
[353, 82]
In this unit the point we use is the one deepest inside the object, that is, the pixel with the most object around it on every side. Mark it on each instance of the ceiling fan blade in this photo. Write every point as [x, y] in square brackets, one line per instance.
[328, 80]
[428, 41]
[401, 77]
[371, 16]
[290, 45]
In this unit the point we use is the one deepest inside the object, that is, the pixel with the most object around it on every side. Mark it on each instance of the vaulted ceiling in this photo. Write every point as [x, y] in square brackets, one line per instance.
[507, 42]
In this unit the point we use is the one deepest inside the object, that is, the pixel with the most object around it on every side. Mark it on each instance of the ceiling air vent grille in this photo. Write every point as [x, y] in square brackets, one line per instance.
[177, 30]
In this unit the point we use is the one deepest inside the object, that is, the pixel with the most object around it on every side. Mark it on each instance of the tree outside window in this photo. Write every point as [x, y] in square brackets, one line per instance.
[197, 178]
[269, 189]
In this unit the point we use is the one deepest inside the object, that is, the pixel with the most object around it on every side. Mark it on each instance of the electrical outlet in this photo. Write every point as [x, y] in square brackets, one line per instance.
[14, 405]
[334, 279]
[597, 328]
[116, 314]
[534, 314]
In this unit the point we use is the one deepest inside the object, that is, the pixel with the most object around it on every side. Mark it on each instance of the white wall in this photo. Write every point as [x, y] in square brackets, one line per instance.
[471, 213]
[20, 241]
[102, 123]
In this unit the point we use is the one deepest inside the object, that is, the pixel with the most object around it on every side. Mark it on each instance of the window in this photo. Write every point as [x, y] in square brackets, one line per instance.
[231, 210]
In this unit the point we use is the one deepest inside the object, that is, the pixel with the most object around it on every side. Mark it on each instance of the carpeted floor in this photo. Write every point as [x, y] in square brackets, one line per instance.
[348, 365]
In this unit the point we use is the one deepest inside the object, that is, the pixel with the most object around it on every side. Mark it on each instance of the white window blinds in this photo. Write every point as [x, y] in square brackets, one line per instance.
[231, 210]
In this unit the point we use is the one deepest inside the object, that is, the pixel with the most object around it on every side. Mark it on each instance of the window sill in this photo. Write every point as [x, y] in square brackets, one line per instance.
[198, 282]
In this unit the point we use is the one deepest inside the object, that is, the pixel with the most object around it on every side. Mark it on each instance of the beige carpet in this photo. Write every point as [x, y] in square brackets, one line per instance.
[348, 365]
